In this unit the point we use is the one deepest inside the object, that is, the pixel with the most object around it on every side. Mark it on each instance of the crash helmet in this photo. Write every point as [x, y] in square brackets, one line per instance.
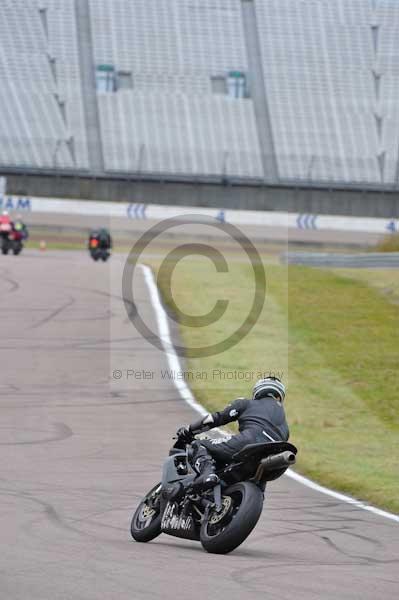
[269, 386]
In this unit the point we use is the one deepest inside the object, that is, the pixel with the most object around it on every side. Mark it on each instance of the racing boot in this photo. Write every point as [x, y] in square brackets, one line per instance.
[207, 478]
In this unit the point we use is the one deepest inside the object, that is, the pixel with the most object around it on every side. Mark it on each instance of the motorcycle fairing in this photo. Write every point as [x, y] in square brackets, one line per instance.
[179, 522]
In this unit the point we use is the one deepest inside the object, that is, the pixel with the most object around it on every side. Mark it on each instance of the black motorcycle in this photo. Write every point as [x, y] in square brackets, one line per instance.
[100, 254]
[100, 244]
[220, 518]
[12, 241]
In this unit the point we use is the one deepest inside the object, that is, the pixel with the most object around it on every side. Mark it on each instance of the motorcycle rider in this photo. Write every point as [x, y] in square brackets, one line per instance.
[19, 226]
[5, 231]
[100, 238]
[5, 224]
[261, 419]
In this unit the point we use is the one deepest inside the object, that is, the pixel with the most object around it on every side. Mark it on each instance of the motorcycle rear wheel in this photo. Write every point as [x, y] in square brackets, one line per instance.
[242, 506]
[146, 521]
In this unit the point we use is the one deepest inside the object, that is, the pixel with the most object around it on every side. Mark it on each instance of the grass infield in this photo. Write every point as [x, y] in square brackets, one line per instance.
[334, 337]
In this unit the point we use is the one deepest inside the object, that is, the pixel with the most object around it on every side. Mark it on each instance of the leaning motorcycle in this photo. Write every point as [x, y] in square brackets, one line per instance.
[220, 518]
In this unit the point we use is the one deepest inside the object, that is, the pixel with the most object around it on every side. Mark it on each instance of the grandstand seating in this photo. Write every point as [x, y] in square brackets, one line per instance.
[63, 45]
[317, 59]
[171, 122]
[388, 67]
[177, 133]
[330, 74]
[41, 122]
[169, 36]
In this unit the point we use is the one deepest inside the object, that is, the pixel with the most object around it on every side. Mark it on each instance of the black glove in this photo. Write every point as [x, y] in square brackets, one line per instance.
[185, 434]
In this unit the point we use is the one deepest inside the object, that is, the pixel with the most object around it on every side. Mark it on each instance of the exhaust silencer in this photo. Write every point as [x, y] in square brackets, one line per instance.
[278, 461]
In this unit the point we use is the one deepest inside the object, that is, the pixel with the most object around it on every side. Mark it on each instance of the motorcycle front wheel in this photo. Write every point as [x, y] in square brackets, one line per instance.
[146, 521]
[225, 530]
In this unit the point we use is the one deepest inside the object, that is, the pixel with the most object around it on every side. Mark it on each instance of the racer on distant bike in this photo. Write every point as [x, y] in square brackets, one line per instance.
[100, 244]
[20, 228]
[100, 238]
[5, 224]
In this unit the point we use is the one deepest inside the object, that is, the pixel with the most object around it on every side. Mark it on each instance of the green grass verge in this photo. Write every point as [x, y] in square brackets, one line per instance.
[386, 281]
[336, 340]
[55, 245]
[389, 243]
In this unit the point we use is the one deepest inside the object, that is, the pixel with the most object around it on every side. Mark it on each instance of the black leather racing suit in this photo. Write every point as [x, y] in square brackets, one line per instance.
[259, 420]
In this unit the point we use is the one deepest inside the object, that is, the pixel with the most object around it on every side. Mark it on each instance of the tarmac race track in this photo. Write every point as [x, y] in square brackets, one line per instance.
[77, 454]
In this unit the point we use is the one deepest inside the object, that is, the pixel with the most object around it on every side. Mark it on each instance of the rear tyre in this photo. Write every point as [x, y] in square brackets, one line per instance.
[242, 507]
[146, 521]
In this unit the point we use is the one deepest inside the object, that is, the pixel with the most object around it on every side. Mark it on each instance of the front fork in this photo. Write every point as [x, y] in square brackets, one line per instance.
[215, 505]
[217, 494]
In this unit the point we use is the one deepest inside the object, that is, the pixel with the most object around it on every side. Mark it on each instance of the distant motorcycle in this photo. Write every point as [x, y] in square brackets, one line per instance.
[100, 243]
[99, 254]
[220, 518]
[12, 241]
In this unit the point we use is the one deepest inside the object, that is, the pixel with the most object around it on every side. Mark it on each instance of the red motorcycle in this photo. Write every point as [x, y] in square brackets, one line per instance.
[11, 240]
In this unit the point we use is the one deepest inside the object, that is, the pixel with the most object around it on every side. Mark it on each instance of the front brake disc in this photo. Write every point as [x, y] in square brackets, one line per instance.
[147, 512]
[218, 516]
